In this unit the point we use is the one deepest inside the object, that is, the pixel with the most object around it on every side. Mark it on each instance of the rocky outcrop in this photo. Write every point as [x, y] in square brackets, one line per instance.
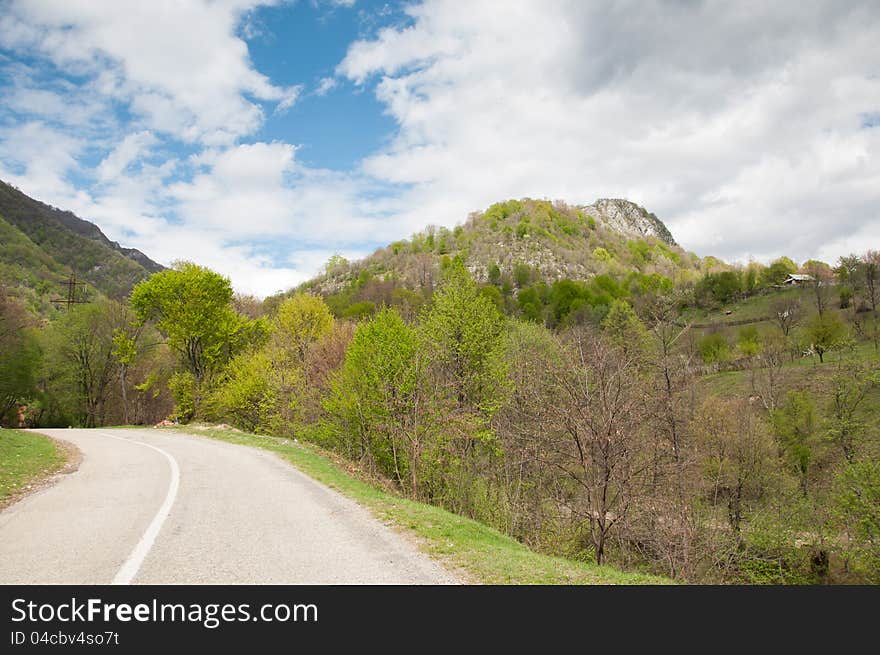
[629, 218]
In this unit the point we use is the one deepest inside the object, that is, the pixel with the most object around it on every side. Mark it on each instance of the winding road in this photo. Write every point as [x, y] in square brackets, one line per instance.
[161, 507]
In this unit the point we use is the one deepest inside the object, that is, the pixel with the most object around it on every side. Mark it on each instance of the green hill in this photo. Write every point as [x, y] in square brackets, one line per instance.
[41, 246]
[517, 245]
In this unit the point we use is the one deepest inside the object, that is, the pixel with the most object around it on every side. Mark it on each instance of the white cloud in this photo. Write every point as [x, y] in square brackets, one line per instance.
[737, 124]
[132, 148]
[180, 65]
[325, 85]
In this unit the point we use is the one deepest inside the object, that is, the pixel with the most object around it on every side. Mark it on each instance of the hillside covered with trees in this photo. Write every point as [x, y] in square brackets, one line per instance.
[41, 246]
[567, 375]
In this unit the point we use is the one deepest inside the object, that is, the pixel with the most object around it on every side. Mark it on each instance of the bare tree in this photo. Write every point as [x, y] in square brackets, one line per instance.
[598, 413]
[821, 278]
[787, 313]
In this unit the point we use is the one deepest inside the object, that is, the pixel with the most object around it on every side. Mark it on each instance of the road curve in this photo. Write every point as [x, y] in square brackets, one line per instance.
[151, 507]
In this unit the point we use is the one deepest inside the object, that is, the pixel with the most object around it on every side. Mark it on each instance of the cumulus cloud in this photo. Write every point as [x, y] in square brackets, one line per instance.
[325, 85]
[180, 65]
[750, 128]
[741, 125]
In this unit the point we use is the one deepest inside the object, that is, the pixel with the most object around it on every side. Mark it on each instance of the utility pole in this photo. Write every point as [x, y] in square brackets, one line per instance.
[72, 285]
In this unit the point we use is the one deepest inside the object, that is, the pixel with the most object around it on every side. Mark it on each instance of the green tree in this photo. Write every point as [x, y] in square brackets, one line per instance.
[857, 511]
[379, 401]
[19, 356]
[300, 321]
[79, 362]
[125, 350]
[192, 306]
[795, 425]
[625, 329]
[850, 387]
[245, 395]
[463, 328]
[826, 332]
[778, 272]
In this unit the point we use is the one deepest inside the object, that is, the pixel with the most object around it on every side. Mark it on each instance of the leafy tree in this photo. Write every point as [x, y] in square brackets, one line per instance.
[125, 349]
[850, 387]
[826, 332]
[19, 356]
[749, 341]
[246, 395]
[300, 321]
[871, 270]
[738, 455]
[379, 402]
[624, 328]
[79, 362]
[463, 328]
[778, 272]
[192, 306]
[857, 510]
[795, 425]
[718, 287]
[494, 274]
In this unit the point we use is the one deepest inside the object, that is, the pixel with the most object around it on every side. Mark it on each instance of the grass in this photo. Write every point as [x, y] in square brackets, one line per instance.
[482, 554]
[25, 458]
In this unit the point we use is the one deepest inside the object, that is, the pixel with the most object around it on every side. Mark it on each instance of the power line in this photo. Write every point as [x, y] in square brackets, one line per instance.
[72, 285]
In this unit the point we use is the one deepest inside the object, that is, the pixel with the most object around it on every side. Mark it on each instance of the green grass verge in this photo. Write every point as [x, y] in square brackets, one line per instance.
[484, 555]
[25, 457]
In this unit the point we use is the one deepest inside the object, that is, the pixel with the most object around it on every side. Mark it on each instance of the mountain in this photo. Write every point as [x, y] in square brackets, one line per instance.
[516, 243]
[41, 246]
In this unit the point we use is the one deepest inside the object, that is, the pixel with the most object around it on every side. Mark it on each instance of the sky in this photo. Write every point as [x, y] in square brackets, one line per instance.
[261, 138]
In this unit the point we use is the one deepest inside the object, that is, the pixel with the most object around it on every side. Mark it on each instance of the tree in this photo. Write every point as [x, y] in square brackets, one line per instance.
[192, 306]
[19, 356]
[461, 333]
[124, 353]
[625, 329]
[737, 451]
[826, 332]
[80, 359]
[300, 321]
[795, 426]
[871, 261]
[857, 510]
[786, 313]
[598, 412]
[778, 271]
[380, 400]
[850, 386]
[821, 279]
[463, 328]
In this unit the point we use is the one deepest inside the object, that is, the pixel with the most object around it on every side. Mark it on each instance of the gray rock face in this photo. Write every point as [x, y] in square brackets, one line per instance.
[628, 218]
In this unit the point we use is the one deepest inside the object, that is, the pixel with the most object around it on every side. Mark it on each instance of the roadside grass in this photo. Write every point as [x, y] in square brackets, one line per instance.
[25, 459]
[479, 553]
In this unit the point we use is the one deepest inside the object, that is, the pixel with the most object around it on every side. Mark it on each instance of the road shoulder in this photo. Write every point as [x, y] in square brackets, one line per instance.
[34, 467]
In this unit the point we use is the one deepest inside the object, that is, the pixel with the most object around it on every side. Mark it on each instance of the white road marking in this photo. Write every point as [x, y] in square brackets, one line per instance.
[132, 565]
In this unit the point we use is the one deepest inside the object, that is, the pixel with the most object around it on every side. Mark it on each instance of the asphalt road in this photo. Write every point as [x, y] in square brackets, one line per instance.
[151, 507]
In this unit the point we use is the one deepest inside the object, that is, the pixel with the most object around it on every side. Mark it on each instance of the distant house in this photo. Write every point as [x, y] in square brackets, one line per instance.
[795, 279]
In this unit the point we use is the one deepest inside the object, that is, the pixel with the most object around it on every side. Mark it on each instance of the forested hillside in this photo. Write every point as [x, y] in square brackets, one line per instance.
[566, 375]
[42, 245]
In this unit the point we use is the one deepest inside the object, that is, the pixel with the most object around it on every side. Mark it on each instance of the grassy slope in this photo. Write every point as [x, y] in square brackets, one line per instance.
[29, 273]
[25, 457]
[481, 553]
[72, 243]
[807, 374]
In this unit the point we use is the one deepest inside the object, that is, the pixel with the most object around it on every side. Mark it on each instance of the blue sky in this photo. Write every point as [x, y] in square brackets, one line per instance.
[260, 138]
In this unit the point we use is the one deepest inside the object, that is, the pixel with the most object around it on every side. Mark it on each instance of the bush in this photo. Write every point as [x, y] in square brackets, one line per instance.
[713, 348]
